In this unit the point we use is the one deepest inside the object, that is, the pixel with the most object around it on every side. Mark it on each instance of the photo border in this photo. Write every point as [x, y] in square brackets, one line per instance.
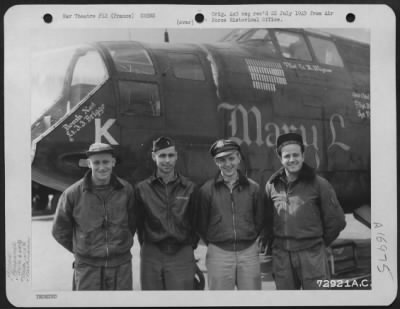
[384, 183]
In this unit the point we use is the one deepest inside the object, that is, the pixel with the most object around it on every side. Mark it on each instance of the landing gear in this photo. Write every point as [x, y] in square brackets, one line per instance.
[44, 200]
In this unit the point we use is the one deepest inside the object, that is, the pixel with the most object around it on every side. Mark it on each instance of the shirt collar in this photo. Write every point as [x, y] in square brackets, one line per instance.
[178, 178]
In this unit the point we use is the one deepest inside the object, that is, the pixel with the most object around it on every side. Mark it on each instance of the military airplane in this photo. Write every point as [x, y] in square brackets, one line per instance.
[251, 86]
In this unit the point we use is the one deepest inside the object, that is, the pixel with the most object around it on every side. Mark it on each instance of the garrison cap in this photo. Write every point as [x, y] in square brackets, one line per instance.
[99, 148]
[289, 138]
[223, 147]
[162, 142]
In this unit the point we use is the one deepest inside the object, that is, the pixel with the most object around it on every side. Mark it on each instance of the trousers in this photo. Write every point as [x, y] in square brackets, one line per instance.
[160, 270]
[294, 270]
[93, 278]
[229, 269]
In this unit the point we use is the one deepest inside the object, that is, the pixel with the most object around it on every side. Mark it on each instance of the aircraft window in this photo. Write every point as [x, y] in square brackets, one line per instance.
[293, 45]
[356, 56]
[89, 72]
[187, 66]
[259, 34]
[132, 60]
[48, 75]
[139, 99]
[326, 51]
[262, 37]
[234, 35]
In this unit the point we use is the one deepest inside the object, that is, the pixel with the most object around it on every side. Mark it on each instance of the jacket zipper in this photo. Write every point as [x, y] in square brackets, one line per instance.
[106, 226]
[106, 218]
[233, 219]
[167, 203]
[287, 210]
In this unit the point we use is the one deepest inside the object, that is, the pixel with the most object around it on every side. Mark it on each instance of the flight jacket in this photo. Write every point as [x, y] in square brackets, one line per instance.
[302, 213]
[166, 212]
[230, 219]
[98, 232]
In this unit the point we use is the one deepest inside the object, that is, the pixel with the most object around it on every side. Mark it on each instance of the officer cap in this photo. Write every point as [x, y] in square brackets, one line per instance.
[162, 142]
[99, 148]
[223, 147]
[289, 138]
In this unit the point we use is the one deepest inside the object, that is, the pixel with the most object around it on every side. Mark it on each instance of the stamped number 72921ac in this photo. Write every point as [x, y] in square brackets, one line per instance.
[343, 283]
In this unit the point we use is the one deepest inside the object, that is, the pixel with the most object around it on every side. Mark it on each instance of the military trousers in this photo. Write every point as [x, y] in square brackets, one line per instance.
[162, 270]
[92, 278]
[229, 269]
[294, 270]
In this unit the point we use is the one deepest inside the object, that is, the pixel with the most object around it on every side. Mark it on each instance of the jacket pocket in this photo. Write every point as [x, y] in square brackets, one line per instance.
[248, 226]
[215, 220]
[183, 224]
[154, 223]
[214, 225]
[90, 243]
[120, 239]
[245, 226]
[249, 220]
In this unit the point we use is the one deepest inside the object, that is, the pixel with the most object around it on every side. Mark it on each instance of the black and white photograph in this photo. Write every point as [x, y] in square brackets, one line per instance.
[222, 156]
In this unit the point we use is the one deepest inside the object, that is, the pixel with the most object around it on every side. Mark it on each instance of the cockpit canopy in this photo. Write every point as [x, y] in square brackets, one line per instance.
[62, 78]
[289, 44]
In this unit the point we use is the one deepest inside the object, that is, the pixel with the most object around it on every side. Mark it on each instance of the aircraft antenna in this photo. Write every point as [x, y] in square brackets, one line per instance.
[166, 36]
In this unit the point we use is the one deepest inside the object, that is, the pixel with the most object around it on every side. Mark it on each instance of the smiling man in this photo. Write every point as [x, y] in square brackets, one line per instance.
[230, 219]
[165, 206]
[303, 217]
[95, 221]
